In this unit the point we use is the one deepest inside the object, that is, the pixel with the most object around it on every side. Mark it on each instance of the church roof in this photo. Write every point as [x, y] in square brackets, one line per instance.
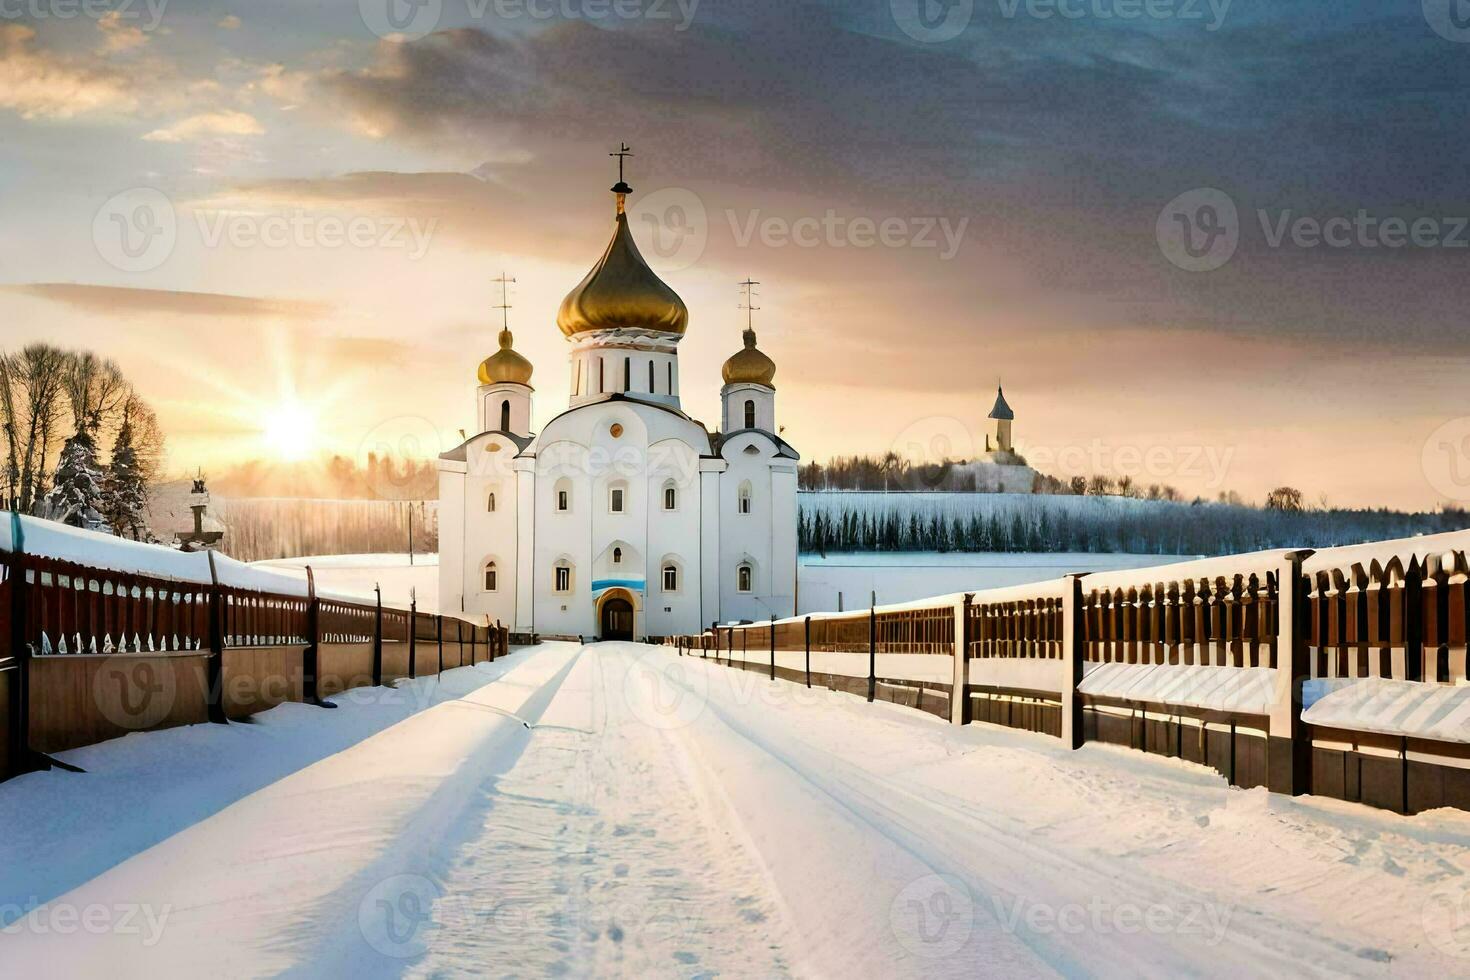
[505, 365]
[461, 452]
[749, 365]
[622, 291]
[1001, 409]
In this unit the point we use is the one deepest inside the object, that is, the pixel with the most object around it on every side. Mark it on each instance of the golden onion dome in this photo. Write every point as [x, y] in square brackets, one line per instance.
[749, 366]
[505, 365]
[622, 291]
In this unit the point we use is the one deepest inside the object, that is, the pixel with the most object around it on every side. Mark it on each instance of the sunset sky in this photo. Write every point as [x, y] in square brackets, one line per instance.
[933, 199]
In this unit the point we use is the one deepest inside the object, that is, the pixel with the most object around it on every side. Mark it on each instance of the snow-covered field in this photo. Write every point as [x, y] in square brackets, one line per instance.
[618, 811]
[357, 574]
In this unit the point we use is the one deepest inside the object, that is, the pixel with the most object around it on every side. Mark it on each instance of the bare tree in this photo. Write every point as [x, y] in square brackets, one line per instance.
[32, 404]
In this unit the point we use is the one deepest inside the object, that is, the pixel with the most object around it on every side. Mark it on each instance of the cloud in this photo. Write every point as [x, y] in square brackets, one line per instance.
[129, 302]
[119, 36]
[39, 84]
[225, 122]
[229, 22]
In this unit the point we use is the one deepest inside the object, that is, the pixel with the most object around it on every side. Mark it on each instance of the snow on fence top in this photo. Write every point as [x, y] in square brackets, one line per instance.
[1225, 566]
[1383, 553]
[104, 552]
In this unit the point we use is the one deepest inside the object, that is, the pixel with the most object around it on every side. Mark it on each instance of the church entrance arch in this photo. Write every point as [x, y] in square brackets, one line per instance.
[615, 616]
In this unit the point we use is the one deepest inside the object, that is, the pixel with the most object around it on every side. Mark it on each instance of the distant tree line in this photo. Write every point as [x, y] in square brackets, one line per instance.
[334, 477]
[81, 446]
[845, 522]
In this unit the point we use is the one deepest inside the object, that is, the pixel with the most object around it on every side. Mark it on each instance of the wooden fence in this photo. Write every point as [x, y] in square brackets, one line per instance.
[1343, 672]
[89, 653]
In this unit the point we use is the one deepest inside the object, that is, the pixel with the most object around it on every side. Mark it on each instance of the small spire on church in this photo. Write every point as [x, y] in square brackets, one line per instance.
[621, 188]
[749, 307]
[504, 305]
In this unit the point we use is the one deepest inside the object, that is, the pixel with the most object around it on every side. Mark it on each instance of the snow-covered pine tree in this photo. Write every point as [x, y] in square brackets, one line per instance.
[125, 494]
[76, 497]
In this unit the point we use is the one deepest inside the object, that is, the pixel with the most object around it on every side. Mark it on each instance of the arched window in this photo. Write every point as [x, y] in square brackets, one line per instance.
[742, 498]
[505, 416]
[671, 496]
[491, 582]
[744, 578]
[563, 496]
[491, 505]
[671, 577]
[562, 581]
[627, 374]
[650, 377]
[749, 413]
[617, 556]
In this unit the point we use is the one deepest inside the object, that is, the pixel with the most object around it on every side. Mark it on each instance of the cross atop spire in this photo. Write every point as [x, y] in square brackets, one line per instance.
[749, 305]
[621, 188]
[504, 305]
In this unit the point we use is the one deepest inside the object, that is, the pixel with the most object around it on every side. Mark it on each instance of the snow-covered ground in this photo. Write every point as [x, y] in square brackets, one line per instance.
[357, 574]
[617, 810]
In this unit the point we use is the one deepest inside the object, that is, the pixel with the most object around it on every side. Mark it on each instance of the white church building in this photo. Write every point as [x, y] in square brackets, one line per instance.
[623, 518]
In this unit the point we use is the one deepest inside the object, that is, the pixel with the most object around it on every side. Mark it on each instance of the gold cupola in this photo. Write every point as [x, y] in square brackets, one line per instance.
[749, 366]
[505, 365]
[621, 291]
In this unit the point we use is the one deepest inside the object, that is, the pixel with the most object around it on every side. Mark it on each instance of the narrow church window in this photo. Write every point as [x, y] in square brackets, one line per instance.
[742, 502]
[743, 579]
[563, 578]
[671, 377]
[650, 377]
[617, 556]
[601, 366]
[563, 500]
[577, 377]
[505, 416]
[616, 501]
[490, 580]
[491, 507]
[671, 578]
[627, 374]
[671, 497]
[749, 414]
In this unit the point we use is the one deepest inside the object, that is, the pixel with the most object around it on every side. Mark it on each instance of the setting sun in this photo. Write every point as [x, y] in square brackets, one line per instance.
[290, 432]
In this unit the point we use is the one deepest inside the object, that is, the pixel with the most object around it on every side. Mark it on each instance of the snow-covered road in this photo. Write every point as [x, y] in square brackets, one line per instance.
[618, 810]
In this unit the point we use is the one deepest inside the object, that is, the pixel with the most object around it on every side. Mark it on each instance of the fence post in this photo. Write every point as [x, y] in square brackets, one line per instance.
[808, 645]
[20, 650]
[959, 697]
[214, 692]
[378, 638]
[1414, 621]
[311, 658]
[1074, 648]
[773, 649]
[872, 652]
[413, 632]
[1289, 745]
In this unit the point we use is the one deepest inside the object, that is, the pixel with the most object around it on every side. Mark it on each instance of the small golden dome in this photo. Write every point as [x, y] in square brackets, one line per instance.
[622, 291]
[749, 366]
[505, 365]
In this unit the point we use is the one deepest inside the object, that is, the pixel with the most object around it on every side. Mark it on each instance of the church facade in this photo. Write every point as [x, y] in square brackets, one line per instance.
[623, 518]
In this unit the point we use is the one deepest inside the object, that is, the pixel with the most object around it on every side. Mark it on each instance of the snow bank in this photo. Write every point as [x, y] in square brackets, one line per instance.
[1383, 552]
[1390, 707]
[1250, 690]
